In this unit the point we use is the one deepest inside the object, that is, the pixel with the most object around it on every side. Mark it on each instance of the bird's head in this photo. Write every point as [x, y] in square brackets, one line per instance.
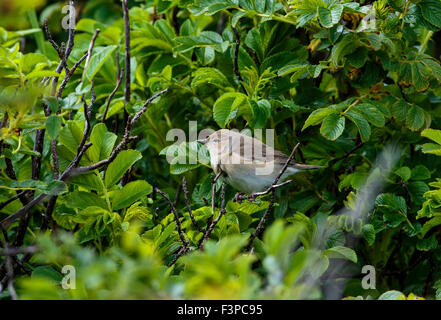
[218, 140]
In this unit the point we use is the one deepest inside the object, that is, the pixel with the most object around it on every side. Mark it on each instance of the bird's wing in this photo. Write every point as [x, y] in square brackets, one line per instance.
[253, 150]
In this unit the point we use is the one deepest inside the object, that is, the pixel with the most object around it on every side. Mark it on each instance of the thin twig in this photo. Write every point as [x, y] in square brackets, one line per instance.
[178, 222]
[236, 59]
[69, 74]
[11, 251]
[55, 159]
[89, 51]
[18, 195]
[67, 52]
[211, 226]
[119, 76]
[262, 221]
[127, 57]
[190, 212]
[79, 170]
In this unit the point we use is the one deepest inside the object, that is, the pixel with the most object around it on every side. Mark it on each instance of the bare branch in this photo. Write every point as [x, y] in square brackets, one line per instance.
[127, 57]
[11, 251]
[69, 74]
[73, 170]
[89, 51]
[262, 221]
[214, 222]
[190, 212]
[122, 145]
[18, 195]
[119, 76]
[236, 59]
[178, 222]
[55, 159]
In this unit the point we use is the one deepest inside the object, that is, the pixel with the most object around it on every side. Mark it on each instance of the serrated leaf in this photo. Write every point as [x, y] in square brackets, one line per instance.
[361, 123]
[332, 126]
[229, 106]
[431, 10]
[317, 117]
[400, 110]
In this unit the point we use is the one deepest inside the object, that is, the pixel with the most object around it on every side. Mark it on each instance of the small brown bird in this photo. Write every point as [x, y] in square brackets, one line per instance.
[247, 163]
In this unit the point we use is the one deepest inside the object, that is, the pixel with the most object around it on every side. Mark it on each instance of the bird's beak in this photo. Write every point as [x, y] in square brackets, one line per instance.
[203, 141]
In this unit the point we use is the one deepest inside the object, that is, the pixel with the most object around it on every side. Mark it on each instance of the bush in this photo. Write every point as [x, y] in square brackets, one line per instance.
[86, 130]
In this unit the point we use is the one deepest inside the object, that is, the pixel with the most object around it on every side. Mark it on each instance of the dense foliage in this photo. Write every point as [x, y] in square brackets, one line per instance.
[85, 179]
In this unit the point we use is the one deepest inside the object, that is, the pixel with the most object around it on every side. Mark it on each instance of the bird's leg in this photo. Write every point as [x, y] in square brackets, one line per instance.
[238, 197]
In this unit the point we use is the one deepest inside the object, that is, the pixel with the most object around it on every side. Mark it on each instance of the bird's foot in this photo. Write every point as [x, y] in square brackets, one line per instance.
[238, 197]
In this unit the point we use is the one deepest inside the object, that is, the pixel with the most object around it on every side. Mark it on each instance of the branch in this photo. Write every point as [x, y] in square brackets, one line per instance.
[67, 52]
[11, 251]
[214, 223]
[119, 76]
[127, 56]
[261, 224]
[89, 51]
[55, 159]
[193, 220]
[236, 59]
[125, 140]
[73, 170]
[178, 223]
[17, 196]
[274, 185]
[69, 74]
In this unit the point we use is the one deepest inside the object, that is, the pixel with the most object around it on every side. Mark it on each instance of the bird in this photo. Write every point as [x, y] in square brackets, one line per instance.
[246, 163]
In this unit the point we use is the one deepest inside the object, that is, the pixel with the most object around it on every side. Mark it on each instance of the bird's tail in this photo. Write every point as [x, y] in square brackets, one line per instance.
[301, 166]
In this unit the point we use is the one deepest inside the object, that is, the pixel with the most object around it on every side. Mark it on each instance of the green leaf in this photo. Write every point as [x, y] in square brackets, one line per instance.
[361, 123]
[261, 113]
[97, 60]
[371, 113]
[415, 118]
[436, 221]
[89, 181]
[420, 172]
[53, 126]
[341, 252]
[317, 117]
[102, 143]
[82, 200]
[427, 244]
[400, 109]
[52, 103]
[333, 126]
[368, 231]
[229, 106]
[431, 10]
[54, 188]
[432, 134]
[123, 161]
[329, 17]
[404, 173]
[71, 135]
[391, 295]
[130, 193]
[325, 17]
[208, 76]
[41, 74]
